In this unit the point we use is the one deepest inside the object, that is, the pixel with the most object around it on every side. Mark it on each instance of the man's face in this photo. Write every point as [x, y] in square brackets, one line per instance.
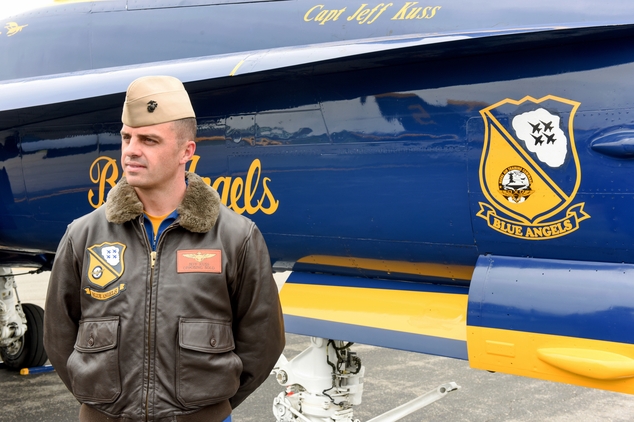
[152, 157]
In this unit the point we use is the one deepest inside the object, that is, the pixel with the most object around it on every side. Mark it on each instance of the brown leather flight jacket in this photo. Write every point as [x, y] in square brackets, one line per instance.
[165, 336]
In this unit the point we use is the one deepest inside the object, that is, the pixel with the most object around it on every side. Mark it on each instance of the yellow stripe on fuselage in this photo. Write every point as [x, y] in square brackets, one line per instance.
[459, 272]
[433, 314]
[589, 363]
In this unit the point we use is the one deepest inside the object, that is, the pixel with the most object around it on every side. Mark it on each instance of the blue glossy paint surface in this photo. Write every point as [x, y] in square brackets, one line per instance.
[372, 153]
[568, 298]
[93, 35]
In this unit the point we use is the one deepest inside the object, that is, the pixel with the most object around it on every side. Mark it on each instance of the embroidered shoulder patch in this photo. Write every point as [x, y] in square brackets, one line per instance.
[106, 264]
[199, 261]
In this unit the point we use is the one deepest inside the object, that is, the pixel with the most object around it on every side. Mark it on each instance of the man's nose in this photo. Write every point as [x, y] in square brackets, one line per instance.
[132, 148]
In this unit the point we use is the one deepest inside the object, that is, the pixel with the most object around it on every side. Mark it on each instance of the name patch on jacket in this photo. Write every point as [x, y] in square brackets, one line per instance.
[106, 264]
[199, 261]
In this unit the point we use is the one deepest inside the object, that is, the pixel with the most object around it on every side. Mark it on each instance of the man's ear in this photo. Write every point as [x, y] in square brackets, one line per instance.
[188, 152]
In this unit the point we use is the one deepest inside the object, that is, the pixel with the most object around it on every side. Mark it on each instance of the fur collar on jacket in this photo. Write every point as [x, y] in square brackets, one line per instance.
[198, 212]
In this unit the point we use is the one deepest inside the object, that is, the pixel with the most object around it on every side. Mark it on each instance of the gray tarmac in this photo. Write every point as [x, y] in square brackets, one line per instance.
[391, 378]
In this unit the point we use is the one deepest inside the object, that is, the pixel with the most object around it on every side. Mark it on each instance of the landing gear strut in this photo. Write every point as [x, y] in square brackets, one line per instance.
[325, 381]
[21, 327]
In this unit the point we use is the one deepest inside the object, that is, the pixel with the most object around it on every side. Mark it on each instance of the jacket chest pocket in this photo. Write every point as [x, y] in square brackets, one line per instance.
[208, 370]
[94, 364]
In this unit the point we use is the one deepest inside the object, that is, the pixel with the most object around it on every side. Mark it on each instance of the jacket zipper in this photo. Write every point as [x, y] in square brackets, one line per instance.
[149, 337]
[153, 258]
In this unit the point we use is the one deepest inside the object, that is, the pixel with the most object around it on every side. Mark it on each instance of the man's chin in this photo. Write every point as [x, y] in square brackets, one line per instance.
[135, 181]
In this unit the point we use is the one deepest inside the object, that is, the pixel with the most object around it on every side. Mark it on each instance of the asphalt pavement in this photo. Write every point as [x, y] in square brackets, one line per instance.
[391, 378]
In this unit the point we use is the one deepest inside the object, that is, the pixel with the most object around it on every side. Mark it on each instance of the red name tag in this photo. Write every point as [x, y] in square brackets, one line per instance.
[199, 261]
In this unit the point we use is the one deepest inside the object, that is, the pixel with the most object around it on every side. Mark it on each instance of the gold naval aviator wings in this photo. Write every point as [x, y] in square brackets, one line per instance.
[529, 169]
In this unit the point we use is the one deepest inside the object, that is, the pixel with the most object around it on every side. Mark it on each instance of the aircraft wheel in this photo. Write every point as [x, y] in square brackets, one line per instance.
[29, 350]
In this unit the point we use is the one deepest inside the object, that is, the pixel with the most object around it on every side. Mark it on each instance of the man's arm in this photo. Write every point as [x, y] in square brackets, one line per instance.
[63, 310]
[258, 326]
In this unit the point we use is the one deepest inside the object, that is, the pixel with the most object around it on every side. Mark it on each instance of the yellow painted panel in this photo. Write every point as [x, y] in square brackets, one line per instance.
[590, 363]
[433, 314]
[460, 272]
[500, 348]
[543, 198]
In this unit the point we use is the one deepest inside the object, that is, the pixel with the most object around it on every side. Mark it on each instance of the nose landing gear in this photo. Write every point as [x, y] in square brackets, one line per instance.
[21, 327]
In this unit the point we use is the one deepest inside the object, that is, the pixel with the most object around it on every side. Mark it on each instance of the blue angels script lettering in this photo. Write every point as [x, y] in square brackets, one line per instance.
[243, 195]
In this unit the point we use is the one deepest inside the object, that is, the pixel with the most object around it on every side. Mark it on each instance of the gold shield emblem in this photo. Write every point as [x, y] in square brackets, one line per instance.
[529, 169]
[106, 264]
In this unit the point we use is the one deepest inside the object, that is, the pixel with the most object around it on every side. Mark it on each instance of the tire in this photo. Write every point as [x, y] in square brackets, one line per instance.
[30, 348]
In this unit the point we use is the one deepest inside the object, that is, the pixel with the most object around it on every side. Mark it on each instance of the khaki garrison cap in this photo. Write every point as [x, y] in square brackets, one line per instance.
[151, 100]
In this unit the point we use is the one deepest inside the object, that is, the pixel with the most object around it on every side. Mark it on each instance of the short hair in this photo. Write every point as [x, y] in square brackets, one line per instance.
[185, 130]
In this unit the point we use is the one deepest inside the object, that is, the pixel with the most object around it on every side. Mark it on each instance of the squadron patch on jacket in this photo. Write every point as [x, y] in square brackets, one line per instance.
[529, 170]
[106, 264]
[199, 261]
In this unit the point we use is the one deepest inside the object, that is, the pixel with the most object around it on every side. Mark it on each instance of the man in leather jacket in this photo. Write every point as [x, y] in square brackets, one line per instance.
[161, 304]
